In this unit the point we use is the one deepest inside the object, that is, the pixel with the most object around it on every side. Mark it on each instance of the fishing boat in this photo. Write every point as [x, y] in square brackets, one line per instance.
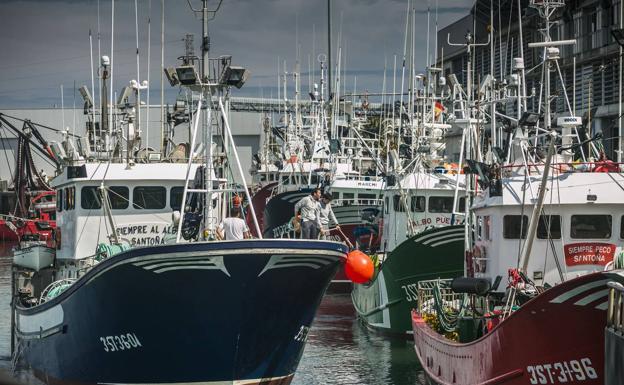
[423, 206]
[543, 242]
[33, 253]
[433, 250]
[28, 206]
[145, 293]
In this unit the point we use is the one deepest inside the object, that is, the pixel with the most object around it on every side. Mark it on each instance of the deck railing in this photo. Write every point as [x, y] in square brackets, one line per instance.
[427, 290]
[597, 166]
[357, 202]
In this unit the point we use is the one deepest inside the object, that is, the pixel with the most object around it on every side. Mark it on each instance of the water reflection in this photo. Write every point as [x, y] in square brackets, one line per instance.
[342, 351]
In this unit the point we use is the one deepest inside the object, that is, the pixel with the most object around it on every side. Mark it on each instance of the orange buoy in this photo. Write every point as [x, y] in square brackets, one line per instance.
[359, 267]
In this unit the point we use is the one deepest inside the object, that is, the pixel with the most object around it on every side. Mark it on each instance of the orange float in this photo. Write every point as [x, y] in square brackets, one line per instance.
[359, 267]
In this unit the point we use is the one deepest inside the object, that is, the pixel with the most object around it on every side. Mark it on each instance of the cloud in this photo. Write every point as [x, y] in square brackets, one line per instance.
[261, 35]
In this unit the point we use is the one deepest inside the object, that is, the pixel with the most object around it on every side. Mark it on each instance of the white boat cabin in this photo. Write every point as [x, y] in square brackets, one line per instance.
[353, 189]
[581, 229]
[142, 199]
[421, 200]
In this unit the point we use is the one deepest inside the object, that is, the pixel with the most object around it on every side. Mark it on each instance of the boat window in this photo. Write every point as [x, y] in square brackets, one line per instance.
[366, 198]
[555, 227]
[417, 204]
[590, 226]
[59, 200]
[315, 179]
[486, 227]
[335, 195]
[68, 198]
[479, 228]
[263, 178]
[386, 204]
[440, 204]
[149, 197]
[72, 198]
[512, 224]
[90, 198]
[462, 205]
[347, 198]
[285, 180]
[399, 206]
[175, 198]
[622, 227]
[119, 196]
[65, 194]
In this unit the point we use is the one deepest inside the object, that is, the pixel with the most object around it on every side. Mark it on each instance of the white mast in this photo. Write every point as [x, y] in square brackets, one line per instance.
[149, 45]
[619, 152]
[111, 122]
[138, 79]
[162, 76]
[92, 83]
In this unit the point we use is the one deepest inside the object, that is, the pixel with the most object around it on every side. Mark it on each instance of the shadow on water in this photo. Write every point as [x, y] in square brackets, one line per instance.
[339, 349]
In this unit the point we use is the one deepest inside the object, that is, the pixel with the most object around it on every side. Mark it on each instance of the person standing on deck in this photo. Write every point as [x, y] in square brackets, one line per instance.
[310, 221]
[326, 214]
[233, 227]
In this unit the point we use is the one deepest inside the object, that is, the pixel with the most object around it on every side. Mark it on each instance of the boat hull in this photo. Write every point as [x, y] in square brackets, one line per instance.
[385, 303]
[555, 338]
[221, 312]
[35, 257]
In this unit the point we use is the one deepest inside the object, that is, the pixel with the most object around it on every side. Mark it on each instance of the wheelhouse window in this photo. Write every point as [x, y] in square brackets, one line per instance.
[119, 197]
[590, 226]
[69, 198]
[514, 226]
[366, 198]
[549, 227]
[440, 204]
[175, 198]
[398, 204]
[417, 204]
[487, 225]
[149, 197]
[59, 200]
[90, 198]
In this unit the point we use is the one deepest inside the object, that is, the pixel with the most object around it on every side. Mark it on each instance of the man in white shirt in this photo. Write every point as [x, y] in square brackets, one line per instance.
[233, 227]
[309, 206]
[326, 214]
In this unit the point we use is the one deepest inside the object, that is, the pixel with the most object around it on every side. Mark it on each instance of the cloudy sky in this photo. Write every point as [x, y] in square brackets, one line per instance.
[45, 43]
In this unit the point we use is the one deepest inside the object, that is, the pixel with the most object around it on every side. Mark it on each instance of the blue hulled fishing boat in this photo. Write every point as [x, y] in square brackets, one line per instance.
[205, 312]
[144, 291]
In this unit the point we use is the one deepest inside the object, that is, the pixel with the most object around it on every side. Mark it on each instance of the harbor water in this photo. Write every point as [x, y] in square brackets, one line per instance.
[339, 349]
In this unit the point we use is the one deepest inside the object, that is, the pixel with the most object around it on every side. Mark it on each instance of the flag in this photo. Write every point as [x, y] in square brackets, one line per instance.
[439, 108]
